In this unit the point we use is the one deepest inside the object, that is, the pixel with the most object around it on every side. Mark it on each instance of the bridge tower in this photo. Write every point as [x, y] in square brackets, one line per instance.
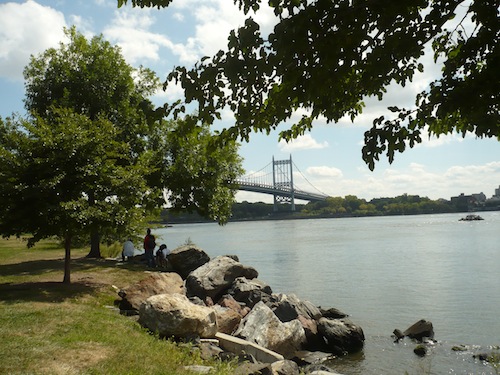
[283, 180]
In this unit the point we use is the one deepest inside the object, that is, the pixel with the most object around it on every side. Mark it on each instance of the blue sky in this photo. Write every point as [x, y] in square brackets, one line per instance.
[329, 157]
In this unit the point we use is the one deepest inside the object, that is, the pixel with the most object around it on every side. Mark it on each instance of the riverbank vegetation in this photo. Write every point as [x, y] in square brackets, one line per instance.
[49, 327]
[348, 206]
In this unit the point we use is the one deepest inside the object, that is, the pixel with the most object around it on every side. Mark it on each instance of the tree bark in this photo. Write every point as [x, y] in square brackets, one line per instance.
[67, 260]
[95, 247]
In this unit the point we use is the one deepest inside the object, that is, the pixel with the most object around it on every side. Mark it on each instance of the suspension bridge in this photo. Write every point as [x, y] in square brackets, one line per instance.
[276, 179]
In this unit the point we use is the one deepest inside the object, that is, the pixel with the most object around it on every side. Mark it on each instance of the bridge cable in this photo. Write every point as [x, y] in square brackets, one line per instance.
[295, 165]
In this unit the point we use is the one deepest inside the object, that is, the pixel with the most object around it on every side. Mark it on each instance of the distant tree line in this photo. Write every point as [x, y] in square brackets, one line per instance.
[348, 206]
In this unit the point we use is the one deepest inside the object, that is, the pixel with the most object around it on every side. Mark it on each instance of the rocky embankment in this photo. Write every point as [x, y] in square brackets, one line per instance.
[224, 308]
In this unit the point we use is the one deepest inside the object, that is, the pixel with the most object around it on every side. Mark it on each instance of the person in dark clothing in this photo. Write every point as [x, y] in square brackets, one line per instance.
[149, 247]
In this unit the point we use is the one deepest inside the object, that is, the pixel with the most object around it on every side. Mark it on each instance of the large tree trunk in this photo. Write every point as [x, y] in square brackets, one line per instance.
[95, 248]
[67, 260]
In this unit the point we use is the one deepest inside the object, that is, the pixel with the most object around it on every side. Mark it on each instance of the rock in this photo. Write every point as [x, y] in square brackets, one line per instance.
[174, 315]
[398, 334]
[229, 302]
[419, 330]
[482, 356]
[332, 313]
[318, 369]
[420, 350]
[341, 335]
[187, 258]
[215, 277]
[304, 357]
[289, 307]
[314, 341]
[209, 350]
[249, 291]
[228, 320]
[199, 369]
[264, 328]
[156, 283]
[285, 367]
[247, 368]
[238, 345]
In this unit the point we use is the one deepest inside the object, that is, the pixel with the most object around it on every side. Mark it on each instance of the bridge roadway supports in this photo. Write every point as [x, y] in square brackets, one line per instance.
[283, 180]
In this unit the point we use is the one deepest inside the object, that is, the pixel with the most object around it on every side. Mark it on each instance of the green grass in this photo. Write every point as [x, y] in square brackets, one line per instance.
[48, 327]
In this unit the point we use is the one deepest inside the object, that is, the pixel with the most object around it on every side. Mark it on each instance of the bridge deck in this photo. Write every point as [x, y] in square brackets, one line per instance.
[269, 189]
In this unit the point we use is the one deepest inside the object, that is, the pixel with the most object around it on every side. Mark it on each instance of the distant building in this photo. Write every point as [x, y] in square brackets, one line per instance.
[497, 193]
[468, 202]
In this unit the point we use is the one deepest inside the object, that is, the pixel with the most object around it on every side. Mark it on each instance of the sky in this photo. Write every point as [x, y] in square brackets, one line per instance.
[328, 159]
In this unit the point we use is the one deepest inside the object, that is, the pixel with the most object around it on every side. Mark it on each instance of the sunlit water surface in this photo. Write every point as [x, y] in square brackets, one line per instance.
[386, 273]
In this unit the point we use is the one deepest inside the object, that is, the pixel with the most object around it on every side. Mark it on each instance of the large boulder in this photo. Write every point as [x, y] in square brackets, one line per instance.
[341, 335]
[174, 315]
[187, 258]
[215, 277]
[264, 328]
[156, 283]
[250, 292]
[289, 307]
[419, 330]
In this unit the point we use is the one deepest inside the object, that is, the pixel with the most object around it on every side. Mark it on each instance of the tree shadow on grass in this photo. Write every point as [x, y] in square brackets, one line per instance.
[51, 291]
[40, 267]
[43, 291]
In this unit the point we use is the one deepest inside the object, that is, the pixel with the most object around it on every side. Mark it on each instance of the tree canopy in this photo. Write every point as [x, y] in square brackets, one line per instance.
[327, 56]
[67, 176]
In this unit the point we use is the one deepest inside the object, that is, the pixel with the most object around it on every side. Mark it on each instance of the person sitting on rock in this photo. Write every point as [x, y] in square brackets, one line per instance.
[161, 256]
[128, 250]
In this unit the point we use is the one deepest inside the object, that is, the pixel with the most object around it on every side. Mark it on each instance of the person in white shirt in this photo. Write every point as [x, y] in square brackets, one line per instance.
[128, 250]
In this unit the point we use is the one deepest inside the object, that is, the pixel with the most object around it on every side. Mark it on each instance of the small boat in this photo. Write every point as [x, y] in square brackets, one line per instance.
[471, 217]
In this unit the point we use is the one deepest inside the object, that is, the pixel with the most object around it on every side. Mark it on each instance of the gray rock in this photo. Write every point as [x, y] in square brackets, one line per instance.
[248, 368]
[156, 283]
[305, 358]
[318, 369]
[187, 258]
[215, 277]
[332, 313]
[289, 307]
[209, 350]
[199, 369]
[264, 328]
[174, 315]
[342, 336]
[420, 350]
[249, 292]
[285, 367]
[419, 330]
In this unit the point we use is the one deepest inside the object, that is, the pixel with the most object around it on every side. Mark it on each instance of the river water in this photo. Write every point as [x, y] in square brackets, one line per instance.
[386, 273]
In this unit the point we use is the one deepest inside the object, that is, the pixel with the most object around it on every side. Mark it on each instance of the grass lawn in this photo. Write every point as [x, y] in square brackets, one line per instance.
[47, 327]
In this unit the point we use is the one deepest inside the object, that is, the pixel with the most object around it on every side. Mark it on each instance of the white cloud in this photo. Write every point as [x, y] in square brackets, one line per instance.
[324, 171]
[179, 16]
[130, 30]
[27, 29]
[303, 142]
